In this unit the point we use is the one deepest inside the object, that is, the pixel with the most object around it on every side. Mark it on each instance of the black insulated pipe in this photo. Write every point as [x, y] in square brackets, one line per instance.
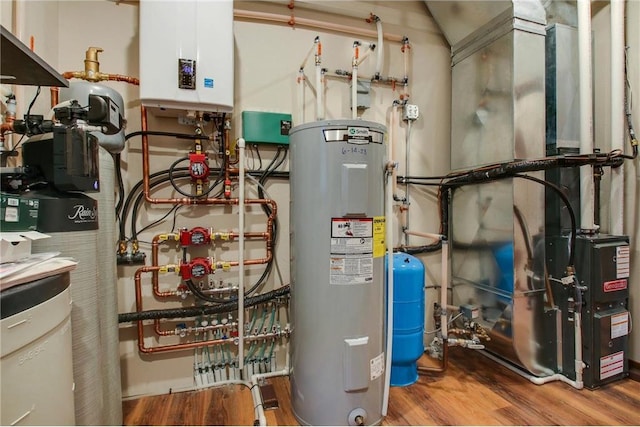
[227, 307]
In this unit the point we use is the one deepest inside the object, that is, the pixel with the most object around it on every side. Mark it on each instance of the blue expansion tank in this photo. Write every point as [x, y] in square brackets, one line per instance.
[408, 318]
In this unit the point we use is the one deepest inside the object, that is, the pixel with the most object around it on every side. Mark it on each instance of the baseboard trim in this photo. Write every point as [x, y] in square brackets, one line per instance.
[634, 370]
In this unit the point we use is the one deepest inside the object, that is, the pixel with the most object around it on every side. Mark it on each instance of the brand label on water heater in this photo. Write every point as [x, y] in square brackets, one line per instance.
[351, 260]
[358, 135]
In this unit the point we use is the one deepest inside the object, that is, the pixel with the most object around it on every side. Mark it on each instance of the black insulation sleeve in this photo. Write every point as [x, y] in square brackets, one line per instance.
[130, 198]
[572, 215]
[508, 170]
[161, 133]
[118, 169]
[175, 313]
[414, 250]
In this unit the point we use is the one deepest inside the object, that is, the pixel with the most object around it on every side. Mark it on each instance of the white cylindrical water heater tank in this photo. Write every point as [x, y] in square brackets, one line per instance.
[337, 272]
[186, 55]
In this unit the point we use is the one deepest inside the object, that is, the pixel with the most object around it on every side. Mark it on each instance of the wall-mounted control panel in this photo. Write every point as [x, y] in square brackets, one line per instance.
[186, 73]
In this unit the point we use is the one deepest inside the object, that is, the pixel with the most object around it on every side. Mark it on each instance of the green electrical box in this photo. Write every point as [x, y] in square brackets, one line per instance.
[261, 127]
[18, 213]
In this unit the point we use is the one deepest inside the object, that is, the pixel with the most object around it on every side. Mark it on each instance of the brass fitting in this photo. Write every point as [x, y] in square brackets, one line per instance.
[135, 246]
[92, 65]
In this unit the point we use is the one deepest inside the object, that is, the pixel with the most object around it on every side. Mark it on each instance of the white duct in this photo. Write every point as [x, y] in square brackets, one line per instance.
[586, 114]
[617, 115]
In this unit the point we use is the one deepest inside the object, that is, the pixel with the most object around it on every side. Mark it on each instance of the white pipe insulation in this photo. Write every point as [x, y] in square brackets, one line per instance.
[241, 202]
[319, 89]
[533, 379]
[380, 57]
[616, 195]
[354, 80]
[301, 90]
[316, 47]
[257, 397]
[443, 290]
[579, 363]
[586, 113]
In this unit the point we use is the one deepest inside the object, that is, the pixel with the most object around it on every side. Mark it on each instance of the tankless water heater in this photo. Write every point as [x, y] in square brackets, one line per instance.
[186, 55]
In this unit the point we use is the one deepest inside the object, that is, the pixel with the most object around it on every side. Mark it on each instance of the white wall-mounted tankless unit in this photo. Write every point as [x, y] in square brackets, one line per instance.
[337, 272]
[186, 55]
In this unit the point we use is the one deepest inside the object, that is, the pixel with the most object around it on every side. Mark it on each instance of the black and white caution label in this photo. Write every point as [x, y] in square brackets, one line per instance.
[622, 262]
[351, 259]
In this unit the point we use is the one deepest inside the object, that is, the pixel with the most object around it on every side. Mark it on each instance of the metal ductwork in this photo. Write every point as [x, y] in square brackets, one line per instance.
[498, 115]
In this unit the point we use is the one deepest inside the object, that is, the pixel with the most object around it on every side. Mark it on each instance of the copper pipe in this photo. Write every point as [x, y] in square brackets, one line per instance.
[54, 96]
[311, 23]
[6, 127]
[187, 200]
[122, 78]
[73, 75]
[155, 247]
[439, 369]
[154, 274]
[176, 347]
[160, 331]
[82, 75]
[141, 346]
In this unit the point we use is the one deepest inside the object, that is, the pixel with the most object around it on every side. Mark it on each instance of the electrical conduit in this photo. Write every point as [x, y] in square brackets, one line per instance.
[407, 158]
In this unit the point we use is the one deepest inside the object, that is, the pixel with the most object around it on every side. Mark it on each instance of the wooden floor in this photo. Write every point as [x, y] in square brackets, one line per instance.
[473, 391]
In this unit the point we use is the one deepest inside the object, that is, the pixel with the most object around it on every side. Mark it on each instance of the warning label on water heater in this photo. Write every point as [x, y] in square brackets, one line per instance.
[351, 260]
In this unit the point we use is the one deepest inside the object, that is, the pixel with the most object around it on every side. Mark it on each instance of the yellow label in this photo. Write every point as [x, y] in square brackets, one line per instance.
[379, 246]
